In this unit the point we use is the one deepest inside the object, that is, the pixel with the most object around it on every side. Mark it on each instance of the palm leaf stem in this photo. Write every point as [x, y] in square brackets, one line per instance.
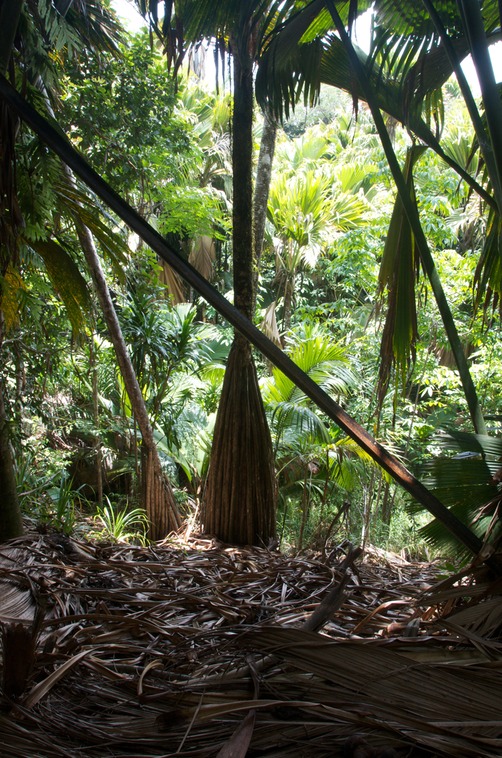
[491, 146]
[151, 237]
[414, 220]
[10, 14]
[473, 24]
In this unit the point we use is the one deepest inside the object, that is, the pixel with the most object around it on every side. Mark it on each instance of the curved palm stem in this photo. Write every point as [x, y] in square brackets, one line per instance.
[491, 98]
[414, 220]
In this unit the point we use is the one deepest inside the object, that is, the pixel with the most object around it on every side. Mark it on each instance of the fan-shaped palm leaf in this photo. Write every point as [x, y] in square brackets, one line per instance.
[66, 279]
[326, 363]
[465, 477]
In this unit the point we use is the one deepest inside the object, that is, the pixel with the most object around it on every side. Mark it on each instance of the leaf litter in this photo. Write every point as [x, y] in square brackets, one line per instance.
[195, 648]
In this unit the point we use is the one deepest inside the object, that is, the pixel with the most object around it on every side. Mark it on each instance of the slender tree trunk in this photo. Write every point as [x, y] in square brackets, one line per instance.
[261, 191]
[95, 415]
[159, 500]
[240, 499]
[11, 524]
[242, 172]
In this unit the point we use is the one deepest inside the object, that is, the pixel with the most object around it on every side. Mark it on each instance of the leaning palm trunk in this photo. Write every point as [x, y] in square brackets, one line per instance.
[239, 503]
[158, 500]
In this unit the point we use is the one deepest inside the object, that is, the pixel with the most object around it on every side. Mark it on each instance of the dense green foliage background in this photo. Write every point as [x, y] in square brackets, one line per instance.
[166, 147]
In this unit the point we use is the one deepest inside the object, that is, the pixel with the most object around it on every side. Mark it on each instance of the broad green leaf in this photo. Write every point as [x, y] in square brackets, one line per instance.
[67, 280]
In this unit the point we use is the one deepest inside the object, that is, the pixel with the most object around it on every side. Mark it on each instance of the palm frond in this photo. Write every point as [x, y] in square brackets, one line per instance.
[290, 67]
[488, 276]
[290, 419]
[466, 478]
[75, 202]
[67, 280]
[397, 277]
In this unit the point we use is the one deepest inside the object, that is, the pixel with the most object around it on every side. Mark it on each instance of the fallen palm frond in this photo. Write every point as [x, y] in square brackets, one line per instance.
[198, 650]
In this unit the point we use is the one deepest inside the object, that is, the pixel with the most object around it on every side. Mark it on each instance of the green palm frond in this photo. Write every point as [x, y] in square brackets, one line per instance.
[294, 421]
[488, 277]
[95, 25]
[352, 177]
[290, 419]
[305, 151]
[406, 86]
[322, 359]
[299, 210]
[398, 275]
[76, 203]
[66, 279]
[466, 478]
[348, 210]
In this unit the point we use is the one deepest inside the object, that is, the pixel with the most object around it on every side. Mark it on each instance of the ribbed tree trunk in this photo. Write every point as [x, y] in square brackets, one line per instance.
[240, 498]
[239, 505]
[10, 219]
[158, 501]
[261, 190]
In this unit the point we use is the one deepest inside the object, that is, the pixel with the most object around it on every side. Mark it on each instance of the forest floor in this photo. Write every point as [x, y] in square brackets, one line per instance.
[202, 649]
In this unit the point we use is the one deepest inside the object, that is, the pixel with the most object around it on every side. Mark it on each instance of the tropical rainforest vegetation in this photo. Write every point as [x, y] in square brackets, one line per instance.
[347, 202]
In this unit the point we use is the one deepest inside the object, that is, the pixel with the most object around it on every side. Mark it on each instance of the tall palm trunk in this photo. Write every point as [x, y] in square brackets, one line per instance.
[158, 498]
[10, 514]
[240, 498]
[262, 189]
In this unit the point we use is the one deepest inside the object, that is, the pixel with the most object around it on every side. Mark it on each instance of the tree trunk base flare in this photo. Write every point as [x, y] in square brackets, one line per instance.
[158, 498]
[239, 505]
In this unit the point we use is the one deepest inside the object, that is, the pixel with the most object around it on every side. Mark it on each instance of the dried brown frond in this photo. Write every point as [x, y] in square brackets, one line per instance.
[197, 650]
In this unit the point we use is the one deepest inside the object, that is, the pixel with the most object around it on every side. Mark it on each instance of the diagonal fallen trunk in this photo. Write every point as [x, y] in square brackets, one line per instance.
[377, 452]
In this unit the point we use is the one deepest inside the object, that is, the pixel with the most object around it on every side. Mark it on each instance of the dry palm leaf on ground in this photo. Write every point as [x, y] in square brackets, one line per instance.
[203, 649]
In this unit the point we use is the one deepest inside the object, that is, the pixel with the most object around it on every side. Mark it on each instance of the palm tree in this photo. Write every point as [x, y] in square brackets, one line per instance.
[239, 502]
[305, 209]
[311, 457]
[299, 210]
